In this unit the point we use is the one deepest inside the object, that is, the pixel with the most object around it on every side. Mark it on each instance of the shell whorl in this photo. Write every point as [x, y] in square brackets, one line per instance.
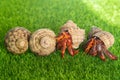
[106, 37]
[42, 42]
[78, 35]
[16, 40]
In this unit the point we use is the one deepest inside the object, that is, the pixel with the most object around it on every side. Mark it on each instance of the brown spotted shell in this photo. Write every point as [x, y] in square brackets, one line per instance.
[78, 35]
[106, 37]
[42, 42]
[16, 40]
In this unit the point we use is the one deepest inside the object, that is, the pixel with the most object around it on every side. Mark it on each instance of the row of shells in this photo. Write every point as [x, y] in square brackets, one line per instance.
[43, 42]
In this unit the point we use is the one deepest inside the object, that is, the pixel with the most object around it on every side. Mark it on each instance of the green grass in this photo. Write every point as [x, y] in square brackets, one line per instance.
[52, 14]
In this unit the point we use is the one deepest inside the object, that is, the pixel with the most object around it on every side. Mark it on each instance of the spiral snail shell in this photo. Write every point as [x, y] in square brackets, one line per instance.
[106, 37]
[42, 42]
[78, 35]
[16, 40]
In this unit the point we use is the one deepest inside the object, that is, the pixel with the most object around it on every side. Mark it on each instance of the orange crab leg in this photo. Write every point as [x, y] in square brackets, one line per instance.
[70, 49]
[93, 50]
[59, 37]
[63, 48]
[89, 45]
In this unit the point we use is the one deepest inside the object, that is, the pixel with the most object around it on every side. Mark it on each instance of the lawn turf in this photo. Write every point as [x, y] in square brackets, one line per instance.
[52, 14]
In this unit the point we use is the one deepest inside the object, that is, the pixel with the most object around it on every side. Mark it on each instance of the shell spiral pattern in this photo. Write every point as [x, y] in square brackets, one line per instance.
[106, 37]
[16, 40]
[78, 35]
[42, 42]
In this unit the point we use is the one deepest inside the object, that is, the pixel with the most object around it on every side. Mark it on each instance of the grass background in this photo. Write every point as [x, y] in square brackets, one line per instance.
[52, 14]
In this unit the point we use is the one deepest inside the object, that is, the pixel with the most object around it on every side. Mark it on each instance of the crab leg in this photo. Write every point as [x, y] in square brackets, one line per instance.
[70, 49]
[58, 38]
[59, 45]
[100, 51]
[63, 48]
[93, 50]
[89, 45]
[101, 55]
[75, 51]
[109, 54]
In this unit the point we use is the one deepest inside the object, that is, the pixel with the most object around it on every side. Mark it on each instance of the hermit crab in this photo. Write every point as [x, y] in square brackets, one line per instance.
[16, 40]
[70, 37]
[98, 43]
[42, 42]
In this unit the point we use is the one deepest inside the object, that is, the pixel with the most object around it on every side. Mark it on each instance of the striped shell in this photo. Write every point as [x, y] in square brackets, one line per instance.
[42, 42]
[78, 35]
[106, 37]
[16, 40]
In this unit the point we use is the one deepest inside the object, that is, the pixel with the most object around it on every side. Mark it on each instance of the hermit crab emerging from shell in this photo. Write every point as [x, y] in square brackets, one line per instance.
[98, 43]
[70, 37]
[42, 42]
[64, 40]
[16, 40]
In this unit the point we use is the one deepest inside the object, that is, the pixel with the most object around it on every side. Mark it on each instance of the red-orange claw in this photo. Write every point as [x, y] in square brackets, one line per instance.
[89, 44]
